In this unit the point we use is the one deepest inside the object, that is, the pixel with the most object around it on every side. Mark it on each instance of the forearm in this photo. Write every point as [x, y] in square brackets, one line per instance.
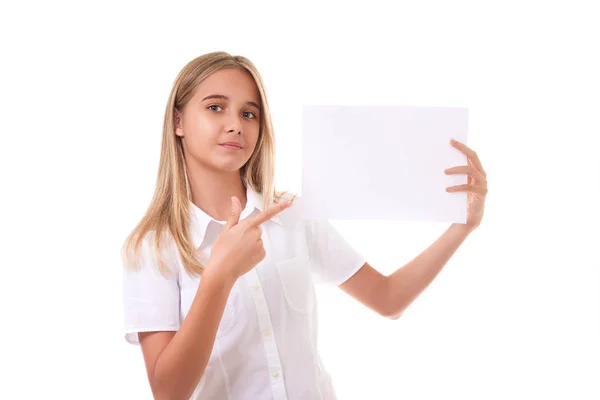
[181, 364]
[408, 282]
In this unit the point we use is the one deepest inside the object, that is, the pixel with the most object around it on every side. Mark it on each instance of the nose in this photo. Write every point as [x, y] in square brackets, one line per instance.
[234, 125]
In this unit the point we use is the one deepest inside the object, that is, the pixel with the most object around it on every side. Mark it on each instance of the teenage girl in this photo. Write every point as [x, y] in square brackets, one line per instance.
[218, 287]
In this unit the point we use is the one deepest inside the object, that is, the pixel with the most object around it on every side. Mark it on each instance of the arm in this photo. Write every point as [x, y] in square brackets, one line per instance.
[175, 361]
[407, 283]
[391, 295]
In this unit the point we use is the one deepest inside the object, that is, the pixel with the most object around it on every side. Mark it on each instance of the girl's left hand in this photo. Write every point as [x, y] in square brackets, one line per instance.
[476, 186]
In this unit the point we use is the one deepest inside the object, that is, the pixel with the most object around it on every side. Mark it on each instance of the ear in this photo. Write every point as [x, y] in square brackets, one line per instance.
[177, 123]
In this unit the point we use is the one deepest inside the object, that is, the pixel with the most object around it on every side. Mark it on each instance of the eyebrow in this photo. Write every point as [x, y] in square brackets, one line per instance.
[223, 97]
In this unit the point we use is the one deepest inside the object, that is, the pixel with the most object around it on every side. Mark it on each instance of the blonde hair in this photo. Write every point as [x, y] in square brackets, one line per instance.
[168, 215]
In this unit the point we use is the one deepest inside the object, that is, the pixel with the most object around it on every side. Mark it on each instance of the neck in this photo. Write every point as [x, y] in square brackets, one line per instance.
[212, 191]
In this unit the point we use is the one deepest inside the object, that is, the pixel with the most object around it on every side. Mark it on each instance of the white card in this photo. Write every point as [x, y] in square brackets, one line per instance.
[382, 163]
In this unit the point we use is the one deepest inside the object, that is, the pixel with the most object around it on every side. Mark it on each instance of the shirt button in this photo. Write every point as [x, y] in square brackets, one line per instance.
[275, 374]
[267, 332]
[256, 287]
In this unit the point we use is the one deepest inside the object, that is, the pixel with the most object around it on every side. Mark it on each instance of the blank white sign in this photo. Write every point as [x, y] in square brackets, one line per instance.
[382, 163]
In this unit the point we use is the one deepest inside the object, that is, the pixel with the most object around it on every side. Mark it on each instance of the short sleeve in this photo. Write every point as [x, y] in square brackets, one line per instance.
[333, 259]
[150, 299]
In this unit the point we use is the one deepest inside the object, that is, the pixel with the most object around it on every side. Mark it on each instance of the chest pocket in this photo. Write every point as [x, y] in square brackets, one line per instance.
[296, 283]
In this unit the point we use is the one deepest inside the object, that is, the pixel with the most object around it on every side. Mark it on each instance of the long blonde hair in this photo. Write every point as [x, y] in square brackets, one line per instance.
[168, 215]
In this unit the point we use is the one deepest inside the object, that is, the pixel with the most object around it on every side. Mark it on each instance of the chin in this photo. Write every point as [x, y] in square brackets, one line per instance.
[228, 166]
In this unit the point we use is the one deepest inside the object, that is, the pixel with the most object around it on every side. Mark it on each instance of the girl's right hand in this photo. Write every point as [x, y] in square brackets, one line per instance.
[239, 247]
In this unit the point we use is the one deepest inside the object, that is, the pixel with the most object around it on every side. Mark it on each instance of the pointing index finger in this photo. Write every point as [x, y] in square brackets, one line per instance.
[267, 214]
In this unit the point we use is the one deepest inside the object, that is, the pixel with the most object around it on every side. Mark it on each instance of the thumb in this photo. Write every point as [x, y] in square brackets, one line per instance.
[235, 213]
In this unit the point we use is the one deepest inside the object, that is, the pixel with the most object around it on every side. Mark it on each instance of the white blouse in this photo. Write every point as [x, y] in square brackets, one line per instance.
[266, 344]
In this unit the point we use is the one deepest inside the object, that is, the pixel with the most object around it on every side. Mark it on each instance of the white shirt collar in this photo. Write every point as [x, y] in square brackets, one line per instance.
[200, 220]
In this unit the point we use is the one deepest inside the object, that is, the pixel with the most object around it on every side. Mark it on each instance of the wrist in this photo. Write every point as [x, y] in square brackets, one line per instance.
[464, 229]
[216, 271]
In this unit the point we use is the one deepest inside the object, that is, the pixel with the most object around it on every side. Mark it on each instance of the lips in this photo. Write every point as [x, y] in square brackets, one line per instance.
[232, 145]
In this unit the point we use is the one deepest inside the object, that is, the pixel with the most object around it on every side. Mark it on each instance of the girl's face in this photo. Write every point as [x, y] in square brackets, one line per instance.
[219, 126]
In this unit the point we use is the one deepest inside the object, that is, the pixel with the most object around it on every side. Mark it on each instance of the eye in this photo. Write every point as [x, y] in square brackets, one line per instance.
[249, 115]
[212, 107]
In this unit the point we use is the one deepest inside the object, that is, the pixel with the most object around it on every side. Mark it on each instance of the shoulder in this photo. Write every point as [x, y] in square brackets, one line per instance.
[155, 253]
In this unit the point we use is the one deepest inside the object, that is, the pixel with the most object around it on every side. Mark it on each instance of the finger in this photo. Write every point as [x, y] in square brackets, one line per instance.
[470, 170]
[236, 208]
[471, 155]
[478, 189]
[254, 231]
[267, 214]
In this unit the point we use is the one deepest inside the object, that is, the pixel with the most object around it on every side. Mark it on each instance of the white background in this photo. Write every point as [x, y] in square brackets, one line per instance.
[514, 315]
